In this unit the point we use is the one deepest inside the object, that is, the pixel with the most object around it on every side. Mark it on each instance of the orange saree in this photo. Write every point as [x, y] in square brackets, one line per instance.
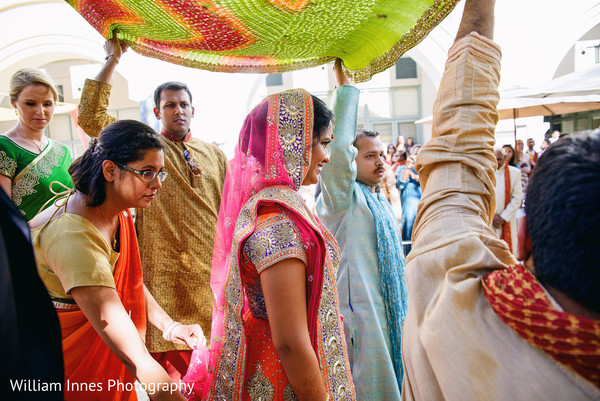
[92, 371]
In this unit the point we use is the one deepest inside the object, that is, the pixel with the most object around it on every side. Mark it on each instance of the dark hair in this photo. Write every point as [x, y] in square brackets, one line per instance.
[171, 85]
[122, 142]
[547, 141]
[563, 217]
[360, 132]
[511, 162]
[323, 117]
[402, 153]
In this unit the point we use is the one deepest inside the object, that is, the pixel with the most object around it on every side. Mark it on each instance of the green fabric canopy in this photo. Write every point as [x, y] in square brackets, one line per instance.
[269, 35]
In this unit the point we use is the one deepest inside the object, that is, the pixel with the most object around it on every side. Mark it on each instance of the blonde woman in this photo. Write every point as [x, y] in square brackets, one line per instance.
[29, 160]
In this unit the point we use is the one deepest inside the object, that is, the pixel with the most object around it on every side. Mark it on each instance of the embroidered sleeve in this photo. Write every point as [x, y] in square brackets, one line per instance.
[93, 115]
[275, 239]
[8, 165]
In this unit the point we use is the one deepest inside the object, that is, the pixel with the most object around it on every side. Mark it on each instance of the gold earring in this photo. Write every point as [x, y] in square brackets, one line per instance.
[16, 112]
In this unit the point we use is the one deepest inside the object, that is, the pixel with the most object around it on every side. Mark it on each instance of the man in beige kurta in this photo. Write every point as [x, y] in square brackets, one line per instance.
[176, 233]
[506, 209]
[454, 344]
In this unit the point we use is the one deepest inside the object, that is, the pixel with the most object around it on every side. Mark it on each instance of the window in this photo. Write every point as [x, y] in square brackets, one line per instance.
[408, 129]
[406, 68]
[61, 93]
[385, 130]
[274, 80]
[406, 101]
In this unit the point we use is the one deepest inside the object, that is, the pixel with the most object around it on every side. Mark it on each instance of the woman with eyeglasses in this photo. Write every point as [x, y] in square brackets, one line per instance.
[88, 258]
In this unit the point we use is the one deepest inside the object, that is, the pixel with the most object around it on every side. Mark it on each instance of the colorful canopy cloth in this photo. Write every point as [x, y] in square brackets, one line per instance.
[269, 35]
[520, 301]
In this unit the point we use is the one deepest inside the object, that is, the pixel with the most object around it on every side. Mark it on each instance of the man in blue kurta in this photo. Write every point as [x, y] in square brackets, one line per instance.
[371, 286]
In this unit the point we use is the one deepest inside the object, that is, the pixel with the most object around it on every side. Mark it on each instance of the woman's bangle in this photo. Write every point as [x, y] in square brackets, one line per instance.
[113, 56]
[167, 332]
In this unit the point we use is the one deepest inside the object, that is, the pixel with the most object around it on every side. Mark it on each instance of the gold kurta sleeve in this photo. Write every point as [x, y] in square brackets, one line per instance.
[93, 115]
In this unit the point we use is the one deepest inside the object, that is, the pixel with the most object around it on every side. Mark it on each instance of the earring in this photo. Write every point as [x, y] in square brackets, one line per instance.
[16, 112]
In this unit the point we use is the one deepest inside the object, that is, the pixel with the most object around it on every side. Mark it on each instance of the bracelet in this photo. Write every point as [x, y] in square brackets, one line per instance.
[167, 332]
[113, 56]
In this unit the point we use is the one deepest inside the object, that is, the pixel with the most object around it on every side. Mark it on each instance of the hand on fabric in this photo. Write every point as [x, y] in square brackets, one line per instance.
[498, 221]
[114, 47]
[188, 334]
[340, 76]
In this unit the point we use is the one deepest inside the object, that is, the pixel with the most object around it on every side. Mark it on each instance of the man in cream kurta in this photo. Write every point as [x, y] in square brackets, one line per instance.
[507, 214]
[454, 345]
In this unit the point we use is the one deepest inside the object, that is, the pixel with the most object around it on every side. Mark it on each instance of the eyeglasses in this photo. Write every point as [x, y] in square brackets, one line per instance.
[147, 175]
[194, 167]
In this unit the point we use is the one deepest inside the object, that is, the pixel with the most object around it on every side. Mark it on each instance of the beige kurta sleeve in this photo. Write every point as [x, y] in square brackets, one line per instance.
[453, 244]
[93, 115]
[457, 166]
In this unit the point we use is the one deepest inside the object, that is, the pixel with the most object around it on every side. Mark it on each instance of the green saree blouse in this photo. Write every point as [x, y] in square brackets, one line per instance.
[31, 173]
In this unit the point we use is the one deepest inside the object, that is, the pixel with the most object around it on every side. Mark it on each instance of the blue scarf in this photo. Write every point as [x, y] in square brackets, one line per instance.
[390, 258]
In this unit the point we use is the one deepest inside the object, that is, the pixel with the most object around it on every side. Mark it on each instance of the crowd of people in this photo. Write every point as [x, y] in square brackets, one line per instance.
[497, 299]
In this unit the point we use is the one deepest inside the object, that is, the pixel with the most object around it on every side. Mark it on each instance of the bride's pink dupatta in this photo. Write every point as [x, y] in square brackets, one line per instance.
[273, 153]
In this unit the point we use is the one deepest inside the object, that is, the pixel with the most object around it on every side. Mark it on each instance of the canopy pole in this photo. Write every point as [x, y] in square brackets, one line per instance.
[515, 125]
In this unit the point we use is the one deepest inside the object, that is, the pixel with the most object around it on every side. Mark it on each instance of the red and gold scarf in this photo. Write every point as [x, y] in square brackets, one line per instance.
[518, 298]
[506, 232]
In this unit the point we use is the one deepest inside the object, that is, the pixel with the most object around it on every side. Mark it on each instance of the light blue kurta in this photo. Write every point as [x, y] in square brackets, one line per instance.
[343, 209]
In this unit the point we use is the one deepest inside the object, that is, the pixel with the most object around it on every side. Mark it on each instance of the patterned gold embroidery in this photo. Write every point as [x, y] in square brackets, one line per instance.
[288, 393]
[337, 369]
[256, 300]
[259, 387]
[8, 166]
[292, 116]
[43, 169]
[275, 239]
